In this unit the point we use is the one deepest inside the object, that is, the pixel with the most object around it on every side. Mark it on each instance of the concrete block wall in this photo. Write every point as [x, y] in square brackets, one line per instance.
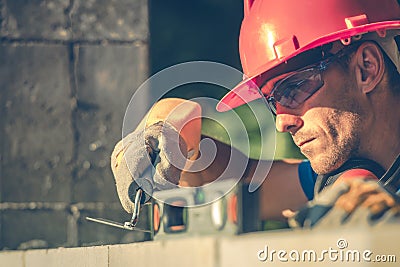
[230, 251]
[67, 71]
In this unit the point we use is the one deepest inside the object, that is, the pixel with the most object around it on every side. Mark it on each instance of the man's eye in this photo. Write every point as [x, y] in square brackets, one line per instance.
[293, 83]
[288, 88]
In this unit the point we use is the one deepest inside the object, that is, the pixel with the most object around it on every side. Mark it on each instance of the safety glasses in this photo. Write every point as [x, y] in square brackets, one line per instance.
[295, 89]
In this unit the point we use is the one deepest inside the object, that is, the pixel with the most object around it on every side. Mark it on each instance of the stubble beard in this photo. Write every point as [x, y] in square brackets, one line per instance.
[344, 144]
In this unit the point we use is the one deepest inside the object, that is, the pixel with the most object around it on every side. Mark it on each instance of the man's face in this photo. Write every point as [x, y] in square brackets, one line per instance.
[327, 127]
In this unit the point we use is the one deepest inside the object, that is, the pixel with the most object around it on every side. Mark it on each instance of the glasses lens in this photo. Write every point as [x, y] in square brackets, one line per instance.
[295, 89]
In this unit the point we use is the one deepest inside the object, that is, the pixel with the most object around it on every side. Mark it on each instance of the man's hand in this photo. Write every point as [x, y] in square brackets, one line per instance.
[158, 145]
[350, 203]
[167, 137]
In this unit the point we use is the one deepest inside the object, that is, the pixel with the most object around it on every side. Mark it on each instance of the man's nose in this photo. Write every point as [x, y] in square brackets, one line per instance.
[288, 123]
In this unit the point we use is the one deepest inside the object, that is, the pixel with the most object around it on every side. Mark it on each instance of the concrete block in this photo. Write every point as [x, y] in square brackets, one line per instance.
[37, 145]
[33, 229]
[243, 250]
[200, 251]
[35, 19]
[12, 258]
[107, 78]
[123, 20]
[85, 257]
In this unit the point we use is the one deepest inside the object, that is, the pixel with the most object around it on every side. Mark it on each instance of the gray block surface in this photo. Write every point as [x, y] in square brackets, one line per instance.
[123, 20]
[68, 69]
[34, 229]
[78, 20]
[35, 19]
[38, 140]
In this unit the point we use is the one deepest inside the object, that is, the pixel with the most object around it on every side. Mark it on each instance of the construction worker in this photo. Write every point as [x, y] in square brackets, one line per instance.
[329, 71]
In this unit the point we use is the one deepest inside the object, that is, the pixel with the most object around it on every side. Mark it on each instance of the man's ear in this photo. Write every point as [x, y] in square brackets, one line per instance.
[370, 66]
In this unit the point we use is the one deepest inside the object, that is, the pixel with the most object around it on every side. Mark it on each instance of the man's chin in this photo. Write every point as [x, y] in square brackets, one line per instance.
[324, 165]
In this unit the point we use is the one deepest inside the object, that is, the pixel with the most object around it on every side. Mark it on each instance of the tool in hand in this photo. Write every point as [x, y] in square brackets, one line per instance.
[139, 192]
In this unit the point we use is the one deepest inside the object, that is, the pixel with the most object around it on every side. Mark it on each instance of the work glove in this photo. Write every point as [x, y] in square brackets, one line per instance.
[158, 145]
[158, 149]
[356, 202]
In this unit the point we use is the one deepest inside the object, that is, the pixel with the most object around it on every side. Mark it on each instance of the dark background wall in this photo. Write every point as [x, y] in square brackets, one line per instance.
[194, 30]
[67, 71]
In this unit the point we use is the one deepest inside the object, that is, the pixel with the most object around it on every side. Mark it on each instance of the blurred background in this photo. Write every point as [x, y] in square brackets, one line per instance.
[67, 71]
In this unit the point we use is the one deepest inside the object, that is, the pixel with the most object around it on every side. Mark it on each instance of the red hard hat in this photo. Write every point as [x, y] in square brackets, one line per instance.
[274, 31]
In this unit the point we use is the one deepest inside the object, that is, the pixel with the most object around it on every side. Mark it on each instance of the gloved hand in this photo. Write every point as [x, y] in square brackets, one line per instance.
[165, 139]
[356, 202]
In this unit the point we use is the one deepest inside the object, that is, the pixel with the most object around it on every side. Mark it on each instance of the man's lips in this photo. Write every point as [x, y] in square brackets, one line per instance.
[303, 142]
